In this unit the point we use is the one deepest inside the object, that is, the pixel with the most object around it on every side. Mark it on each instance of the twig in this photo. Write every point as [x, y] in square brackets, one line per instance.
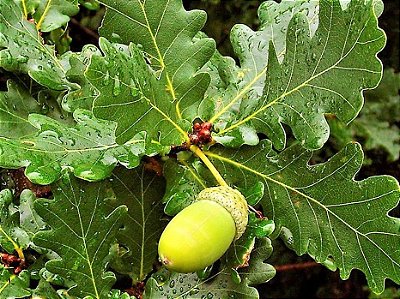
[85, 29]
[298, 266]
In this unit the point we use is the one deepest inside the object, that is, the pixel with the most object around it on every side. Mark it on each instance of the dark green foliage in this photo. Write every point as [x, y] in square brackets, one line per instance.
[108, 127]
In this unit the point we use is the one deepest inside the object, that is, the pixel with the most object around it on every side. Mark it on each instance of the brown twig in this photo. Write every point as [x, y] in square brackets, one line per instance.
[298, 266]
[86, 30]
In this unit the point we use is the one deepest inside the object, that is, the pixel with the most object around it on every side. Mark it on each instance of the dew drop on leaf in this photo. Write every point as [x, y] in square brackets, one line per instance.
[172, 284]
[117, 87]
[194, 291]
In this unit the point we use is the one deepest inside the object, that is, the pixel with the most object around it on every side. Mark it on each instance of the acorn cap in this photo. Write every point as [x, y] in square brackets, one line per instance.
[233, 201]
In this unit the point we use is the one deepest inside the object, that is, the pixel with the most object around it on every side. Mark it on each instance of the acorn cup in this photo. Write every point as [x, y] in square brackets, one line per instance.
[202, 232]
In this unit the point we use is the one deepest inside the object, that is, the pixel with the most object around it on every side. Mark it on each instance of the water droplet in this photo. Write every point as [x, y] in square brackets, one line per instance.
[106, 77]
[115, 38]
[117, 87]
[44, 109]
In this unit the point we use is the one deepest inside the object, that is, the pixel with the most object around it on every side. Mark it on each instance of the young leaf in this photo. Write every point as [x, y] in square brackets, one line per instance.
[317, 204]
[23, 49]
[323, 73]
[165, 30]
[141, 192]
[258, 271]
[88, 149]
[82, 233]
[238, 255]
[130, 94]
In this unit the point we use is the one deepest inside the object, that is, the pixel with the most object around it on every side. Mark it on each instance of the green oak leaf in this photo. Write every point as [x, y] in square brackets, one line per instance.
[44, 290]
[245, 83]
[30, 221]
[81, 98]
[81, 233]
[165, 30]
[376, 124]
[13, 238]
[259, 271]
[50, 15]
[14, 286]
[165, 284]
[131, 95]
[117, 294]
[238, 255]
[15, 106]
[183, 184]
[317, 203]
[22, 49]
[141, 191]
[88, 149]
[320, 73]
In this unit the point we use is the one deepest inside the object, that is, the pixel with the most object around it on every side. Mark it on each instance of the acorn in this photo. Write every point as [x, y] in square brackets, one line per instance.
[202, 232]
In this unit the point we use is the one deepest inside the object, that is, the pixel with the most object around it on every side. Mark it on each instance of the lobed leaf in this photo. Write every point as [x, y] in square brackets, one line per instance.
[232, 84]
[141, 192]
[320, 73]
[13, 238]
[376, 124]
[22, 49]
[50, 15]
[14, 286]
[165, 284]
[88, 149]
[81, 233]
[317, 203]
[15, 106]
[83, 97]
[130, 94]
[165, 30]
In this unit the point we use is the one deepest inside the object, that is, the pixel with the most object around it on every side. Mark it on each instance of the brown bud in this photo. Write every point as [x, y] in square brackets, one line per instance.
[197, 127]
[206, 125]
[194, 139]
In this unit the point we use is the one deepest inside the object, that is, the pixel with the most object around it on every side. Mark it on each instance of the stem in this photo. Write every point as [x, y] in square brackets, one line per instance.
[199, 153]
[24, 9]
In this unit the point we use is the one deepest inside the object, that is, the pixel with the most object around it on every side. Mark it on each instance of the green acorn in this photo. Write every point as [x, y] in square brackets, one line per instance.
[201, 233]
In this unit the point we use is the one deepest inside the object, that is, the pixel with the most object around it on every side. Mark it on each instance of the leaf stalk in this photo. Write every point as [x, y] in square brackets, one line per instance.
[199, 153]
